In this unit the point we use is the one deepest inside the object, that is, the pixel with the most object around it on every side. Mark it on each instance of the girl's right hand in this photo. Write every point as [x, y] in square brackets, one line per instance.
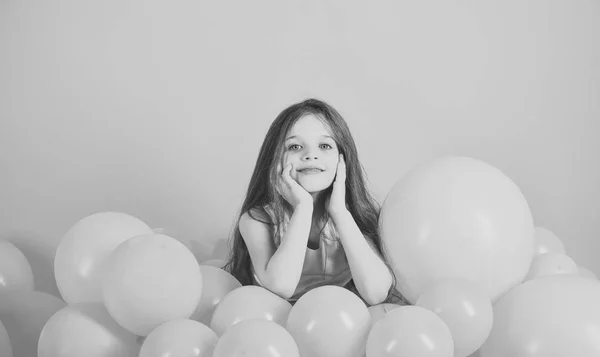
[291, 190]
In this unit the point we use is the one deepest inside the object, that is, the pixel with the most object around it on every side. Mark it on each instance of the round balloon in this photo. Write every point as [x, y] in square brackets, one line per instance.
[149, 280]
[24, 314]
[15, 271]
[216, 283]
[410, 331]
[84, 248]
[249, 302]
[555, 315]
[465, 308]
[546, 241]
[330, 321]
[85, 330]
[457, 217]
[256, 338]
[550, 264]
[180, 337]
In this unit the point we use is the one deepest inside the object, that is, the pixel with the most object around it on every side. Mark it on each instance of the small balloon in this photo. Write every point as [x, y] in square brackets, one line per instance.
[180, 337]
[547, 242]
[24, 314]
[84, 248]
[256, 338]
[551, 264]
[249, 302]
[149, 280]
[216, 283]
[15, 270]
[465, 308]
[410, 331]
[330, 321]
[85, 329]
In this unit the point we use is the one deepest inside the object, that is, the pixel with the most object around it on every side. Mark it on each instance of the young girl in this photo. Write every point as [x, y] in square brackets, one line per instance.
[308, 219]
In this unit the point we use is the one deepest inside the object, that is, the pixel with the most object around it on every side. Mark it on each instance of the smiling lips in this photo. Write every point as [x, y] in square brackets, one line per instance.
[310, 171]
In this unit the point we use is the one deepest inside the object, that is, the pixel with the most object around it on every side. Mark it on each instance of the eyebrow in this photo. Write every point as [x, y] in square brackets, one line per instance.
[322, 136]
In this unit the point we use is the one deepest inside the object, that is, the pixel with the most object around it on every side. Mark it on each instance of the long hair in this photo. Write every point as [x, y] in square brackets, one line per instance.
[261, 191]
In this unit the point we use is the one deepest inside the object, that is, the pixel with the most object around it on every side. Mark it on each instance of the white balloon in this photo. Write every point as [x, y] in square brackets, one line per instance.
[550, 264]
[85, 247]
[15, 270]
[85, 330]
[149, 280]
[457, 217]
[555, 315]
[546, 241]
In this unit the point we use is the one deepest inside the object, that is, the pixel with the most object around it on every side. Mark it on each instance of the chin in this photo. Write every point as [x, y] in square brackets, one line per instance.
[314, 188]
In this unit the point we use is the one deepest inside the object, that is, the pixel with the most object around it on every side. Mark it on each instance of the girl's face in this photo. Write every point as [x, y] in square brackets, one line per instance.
[313, 153]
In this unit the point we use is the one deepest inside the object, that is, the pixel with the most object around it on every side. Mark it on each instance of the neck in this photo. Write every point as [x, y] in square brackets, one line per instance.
[318, 204]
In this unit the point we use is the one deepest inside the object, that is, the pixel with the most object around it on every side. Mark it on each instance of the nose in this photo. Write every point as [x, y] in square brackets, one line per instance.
[310, 155]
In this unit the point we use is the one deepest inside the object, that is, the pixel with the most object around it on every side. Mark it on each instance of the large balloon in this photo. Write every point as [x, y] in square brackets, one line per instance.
[465, 308]
[15, 271]
[216, 283]
[256, 338]
[85, 330]
[556, 315]
[149, 280]
[410, 331]
[83, 249]
[457, 217]
[24, 314]
[330, 321]
[180, 337]
[249, 302]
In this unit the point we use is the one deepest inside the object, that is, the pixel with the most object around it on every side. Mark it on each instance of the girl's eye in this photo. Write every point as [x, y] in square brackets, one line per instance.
[326, 146]
[294, 147]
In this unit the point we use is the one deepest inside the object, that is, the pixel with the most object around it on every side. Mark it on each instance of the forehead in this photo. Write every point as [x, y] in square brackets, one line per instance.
[309, 125]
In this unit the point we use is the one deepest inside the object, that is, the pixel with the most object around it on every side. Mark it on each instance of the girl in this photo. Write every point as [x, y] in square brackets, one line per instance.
[308, 219]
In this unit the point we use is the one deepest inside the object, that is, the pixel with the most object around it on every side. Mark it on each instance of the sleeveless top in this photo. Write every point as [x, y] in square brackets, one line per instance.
[326, 265]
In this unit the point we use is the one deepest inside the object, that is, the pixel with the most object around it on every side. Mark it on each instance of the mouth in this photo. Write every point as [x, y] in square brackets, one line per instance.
[310, 171]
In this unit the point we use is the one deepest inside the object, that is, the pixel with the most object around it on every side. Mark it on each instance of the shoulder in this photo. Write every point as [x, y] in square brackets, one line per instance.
[257, 214]
[254, 224]
[257, 236]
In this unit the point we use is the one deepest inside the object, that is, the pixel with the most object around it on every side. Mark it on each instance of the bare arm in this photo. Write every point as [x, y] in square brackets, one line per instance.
[369, 271]
[278, 268]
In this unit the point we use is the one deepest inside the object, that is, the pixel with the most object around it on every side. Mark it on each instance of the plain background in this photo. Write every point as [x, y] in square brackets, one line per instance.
[158, 108]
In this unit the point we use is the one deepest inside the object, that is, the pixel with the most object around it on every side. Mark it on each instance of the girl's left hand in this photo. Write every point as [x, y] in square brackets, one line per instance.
[337, 200]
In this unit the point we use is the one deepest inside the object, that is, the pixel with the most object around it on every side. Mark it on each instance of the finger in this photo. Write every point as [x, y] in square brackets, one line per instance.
[340, 175]
[286, 174]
